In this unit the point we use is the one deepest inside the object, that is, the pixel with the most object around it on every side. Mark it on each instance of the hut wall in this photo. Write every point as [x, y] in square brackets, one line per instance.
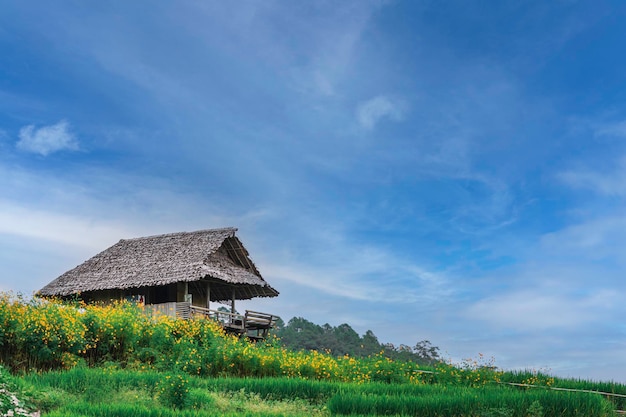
[181, 291]
[101, 296]
[151, 295]
[198, 293]
[167, 309]
[162, 294]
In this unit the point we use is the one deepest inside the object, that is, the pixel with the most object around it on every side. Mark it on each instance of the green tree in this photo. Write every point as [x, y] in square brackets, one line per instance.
[426, 352]
[348, 340]
[370, 344]
[300, 333]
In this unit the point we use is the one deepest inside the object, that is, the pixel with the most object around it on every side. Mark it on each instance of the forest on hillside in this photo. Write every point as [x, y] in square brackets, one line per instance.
[302, 334]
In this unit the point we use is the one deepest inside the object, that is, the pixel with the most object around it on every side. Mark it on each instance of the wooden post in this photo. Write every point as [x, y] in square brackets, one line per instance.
[208, 295]
[232, 302]
[186, 296]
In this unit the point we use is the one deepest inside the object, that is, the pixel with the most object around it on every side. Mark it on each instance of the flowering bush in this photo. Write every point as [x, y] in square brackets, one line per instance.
[41, 334]
[173, 391]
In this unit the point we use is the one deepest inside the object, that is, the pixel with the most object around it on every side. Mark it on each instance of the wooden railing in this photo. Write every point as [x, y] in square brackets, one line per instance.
[258, 324]
[234, 321]
[253, 324]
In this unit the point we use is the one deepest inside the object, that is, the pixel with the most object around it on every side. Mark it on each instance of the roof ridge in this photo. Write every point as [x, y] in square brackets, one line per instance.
[221, 229]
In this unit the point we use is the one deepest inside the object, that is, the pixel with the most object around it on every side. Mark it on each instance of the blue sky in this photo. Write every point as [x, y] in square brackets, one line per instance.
[452, 171]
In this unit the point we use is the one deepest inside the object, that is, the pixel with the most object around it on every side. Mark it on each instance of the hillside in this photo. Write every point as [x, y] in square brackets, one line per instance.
[341, 340]
[115, 361]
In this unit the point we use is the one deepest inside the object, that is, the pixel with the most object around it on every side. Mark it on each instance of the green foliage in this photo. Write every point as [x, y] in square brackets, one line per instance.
[112, 334]
[463, 401]
[471, 372]
[140, 393]
[200, 399]
[535, 409]
[39, 334]
[426, 351]
[543, 379]
[71, 335]
[300, 333]
[127, 391]
[173, 391]
[497, 412]
[12, 399]
[115, 360]
[52, 399]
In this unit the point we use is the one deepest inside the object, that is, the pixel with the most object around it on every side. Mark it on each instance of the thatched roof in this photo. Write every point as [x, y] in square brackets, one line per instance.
[215, 255]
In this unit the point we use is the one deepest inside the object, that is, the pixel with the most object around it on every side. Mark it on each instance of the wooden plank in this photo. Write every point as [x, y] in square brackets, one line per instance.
[166, 309]
[183, 310]
[232, 322]
[235, 252]
[256, 320]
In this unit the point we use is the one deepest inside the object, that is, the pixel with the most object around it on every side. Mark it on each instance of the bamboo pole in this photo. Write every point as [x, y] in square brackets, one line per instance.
[208, 295]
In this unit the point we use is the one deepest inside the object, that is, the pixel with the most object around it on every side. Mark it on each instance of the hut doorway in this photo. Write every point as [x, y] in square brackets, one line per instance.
[161, 294]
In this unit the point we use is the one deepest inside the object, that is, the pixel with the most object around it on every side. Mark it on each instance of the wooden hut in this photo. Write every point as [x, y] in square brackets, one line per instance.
[178, 273]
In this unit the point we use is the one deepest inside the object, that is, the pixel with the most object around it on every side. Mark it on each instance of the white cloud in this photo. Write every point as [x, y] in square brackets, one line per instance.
[372, 111]
[367, 274]
[538, 310]
[611, 183]
[47, 139]
[62, 229]
[331, 52]
[602, 238]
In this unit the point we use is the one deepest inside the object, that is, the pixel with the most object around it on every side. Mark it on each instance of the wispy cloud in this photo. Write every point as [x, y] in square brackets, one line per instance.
[610, 183]
[59, 228]
[601, 238]
[338, 265]
[332, 50]
[369, 113]
[603, 170]
[369, 281]
[47, 139]
[537, 309]
[617, 129]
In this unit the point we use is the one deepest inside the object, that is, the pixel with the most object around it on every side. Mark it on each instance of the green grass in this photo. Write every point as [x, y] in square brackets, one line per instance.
[86, 391]
[115, 361]
[461, 401]
[546, 380]
[115, 392]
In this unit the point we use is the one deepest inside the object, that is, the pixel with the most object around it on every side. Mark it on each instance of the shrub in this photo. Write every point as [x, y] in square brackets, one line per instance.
[200, 399]
[173, 391]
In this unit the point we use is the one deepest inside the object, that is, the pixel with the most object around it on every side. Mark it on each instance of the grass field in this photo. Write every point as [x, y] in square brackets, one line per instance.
[84, 391]
[76, 360]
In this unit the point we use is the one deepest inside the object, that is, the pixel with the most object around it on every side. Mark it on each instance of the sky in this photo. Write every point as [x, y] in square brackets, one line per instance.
[444, 170]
